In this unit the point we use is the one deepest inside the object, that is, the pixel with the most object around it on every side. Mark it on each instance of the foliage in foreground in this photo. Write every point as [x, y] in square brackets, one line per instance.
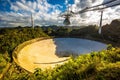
[11, 38]
[103, 65]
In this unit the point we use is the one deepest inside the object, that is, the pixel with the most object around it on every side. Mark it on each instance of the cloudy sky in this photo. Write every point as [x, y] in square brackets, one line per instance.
[46, 12]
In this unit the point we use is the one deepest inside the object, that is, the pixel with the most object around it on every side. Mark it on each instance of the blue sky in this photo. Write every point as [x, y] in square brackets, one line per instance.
[46, 12]
[5, 4]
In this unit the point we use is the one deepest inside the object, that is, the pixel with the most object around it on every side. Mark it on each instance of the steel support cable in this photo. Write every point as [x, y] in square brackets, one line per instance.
[103, 3]
[93, 8]
[82, 11]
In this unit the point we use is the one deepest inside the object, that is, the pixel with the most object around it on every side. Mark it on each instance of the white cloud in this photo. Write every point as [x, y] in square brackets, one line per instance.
[34, 5]
[43, 12]
[23, 1]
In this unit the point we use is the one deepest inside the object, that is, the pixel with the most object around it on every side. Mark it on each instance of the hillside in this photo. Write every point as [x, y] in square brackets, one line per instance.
[102, 65]
[112, 31]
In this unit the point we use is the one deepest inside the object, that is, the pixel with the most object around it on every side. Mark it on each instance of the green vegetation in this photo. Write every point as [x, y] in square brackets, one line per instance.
[102, 65]
[11, 38]
[72, 32]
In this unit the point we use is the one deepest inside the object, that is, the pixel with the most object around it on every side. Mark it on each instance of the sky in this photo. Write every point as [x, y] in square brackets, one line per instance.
[15, 13]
